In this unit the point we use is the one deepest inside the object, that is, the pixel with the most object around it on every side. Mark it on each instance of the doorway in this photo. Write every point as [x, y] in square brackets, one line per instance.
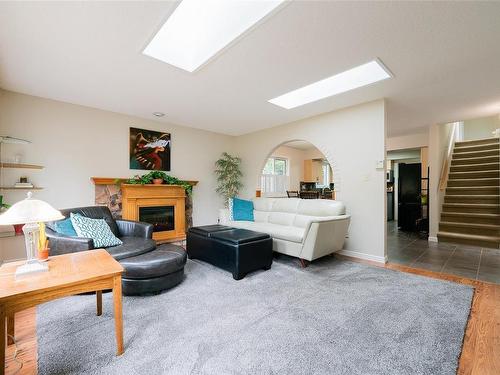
[297, 169]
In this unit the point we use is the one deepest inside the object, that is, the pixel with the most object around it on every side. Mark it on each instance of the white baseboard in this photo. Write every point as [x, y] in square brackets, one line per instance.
[355, 254]
[432, 239]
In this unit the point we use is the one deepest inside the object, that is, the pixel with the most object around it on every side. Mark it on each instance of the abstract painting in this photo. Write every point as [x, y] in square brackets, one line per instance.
[149, 150]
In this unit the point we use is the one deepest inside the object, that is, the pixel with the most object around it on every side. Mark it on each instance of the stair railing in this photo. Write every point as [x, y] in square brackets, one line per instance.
[445, 169]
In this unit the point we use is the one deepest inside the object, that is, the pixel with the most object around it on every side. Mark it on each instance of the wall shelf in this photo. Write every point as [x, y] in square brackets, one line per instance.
[20, 188]
[22, 166]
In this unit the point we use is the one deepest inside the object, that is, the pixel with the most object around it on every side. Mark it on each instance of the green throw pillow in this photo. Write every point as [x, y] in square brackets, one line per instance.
[97, 229]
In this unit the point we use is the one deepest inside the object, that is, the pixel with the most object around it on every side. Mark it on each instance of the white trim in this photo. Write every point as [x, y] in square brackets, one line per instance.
[432, 239]
[355, 254]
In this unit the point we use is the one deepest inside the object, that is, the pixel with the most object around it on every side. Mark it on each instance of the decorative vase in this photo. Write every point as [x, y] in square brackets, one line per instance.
[43, 254]
[157, 181]
[18, 229]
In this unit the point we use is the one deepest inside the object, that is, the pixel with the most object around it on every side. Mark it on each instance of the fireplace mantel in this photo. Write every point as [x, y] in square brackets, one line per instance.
[135, 197]
[114, 180]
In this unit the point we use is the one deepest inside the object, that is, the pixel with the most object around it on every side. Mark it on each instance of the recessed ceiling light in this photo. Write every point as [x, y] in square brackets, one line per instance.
[198, 29]
[351, 79]
[158, 114]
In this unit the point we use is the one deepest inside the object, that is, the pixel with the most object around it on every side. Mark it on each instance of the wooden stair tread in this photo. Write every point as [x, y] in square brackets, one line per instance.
[472, 187]
[467, 225]
[492, 145]
[470, 205]
[476, 237]
[476, 160]
[494, 165]
[473, 172]
[475, 179]
[474, 196]
[478, 141]
[474, 154]
[472, 214]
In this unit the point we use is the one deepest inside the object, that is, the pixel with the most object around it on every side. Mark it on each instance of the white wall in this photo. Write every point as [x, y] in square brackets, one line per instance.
[75, 143]
[352, 140]
[439, 139]
[407, 141]
[481, 128]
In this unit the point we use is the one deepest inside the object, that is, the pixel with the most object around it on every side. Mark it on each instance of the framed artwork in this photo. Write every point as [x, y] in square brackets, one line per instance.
[149, 150]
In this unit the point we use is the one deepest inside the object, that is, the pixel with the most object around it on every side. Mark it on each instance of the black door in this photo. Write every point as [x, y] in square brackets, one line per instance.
[409, 196]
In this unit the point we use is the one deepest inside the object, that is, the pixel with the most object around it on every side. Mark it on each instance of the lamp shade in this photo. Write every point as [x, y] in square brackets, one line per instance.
[30, 211]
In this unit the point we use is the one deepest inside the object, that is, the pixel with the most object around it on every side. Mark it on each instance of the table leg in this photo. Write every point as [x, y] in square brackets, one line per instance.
[10, 329]
[3, 333]
[98, 295]
[117, 302]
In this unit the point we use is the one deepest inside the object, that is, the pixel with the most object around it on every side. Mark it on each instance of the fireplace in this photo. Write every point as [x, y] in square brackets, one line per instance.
[162, 217]
[160, 205]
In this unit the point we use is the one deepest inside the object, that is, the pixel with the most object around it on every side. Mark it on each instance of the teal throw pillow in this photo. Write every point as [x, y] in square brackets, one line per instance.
[242, 210]
[97, 229]
[65, 227]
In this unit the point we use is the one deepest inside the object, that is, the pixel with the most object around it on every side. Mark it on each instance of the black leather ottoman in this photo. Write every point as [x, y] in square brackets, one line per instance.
[154, 271]
[238, 251]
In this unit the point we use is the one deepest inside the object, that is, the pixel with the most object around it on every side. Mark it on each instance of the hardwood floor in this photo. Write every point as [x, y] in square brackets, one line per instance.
[26, 362]
[480, 353]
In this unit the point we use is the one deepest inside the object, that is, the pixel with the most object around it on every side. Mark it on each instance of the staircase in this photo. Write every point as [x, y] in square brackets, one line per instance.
[471, 208]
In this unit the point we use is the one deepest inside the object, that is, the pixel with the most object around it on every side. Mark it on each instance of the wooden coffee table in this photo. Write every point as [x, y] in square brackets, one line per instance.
[68, 274]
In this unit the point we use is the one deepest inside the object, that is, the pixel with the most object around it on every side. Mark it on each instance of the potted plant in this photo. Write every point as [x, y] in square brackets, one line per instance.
[228, 172]
[3, 206]
[157, 177]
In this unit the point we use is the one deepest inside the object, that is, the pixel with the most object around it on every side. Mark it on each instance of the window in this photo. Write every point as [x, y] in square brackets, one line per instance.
[274, 178]
[325, 181]
[276, 166]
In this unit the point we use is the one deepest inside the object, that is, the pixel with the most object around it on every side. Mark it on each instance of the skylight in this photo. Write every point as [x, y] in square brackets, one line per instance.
[198, 29]
[351, 79]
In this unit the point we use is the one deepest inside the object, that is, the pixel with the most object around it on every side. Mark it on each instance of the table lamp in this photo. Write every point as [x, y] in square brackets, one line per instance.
[30, 212]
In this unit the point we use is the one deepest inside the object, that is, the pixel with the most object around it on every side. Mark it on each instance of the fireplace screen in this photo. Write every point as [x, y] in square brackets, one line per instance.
[162, 217]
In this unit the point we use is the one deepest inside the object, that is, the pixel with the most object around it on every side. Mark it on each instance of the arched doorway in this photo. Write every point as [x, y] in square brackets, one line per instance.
[297, 169]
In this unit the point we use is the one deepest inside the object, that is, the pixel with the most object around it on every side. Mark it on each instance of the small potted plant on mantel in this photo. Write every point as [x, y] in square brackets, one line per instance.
[157, 177]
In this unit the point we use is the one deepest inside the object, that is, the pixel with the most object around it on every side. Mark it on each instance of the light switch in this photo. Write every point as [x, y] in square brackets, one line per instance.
[380, 164]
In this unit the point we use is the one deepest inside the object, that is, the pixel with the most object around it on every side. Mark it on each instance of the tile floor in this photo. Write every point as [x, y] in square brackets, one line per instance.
[461, 260]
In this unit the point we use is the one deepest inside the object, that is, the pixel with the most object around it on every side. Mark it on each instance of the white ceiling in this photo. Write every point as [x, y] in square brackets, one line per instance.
[445, 57]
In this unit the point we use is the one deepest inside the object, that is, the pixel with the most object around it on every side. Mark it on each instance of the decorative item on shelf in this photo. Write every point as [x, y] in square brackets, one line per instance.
[23, 183]
[149, 178]
[31, 212]
[228, 172]
[149, 149]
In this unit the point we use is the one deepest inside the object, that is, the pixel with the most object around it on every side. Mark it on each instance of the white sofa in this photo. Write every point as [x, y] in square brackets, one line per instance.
[304, 228]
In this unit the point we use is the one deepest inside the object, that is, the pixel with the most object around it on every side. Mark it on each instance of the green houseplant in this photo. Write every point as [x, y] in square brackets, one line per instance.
[149, 178]
[3, 206]
[228, 172]
[157, 177]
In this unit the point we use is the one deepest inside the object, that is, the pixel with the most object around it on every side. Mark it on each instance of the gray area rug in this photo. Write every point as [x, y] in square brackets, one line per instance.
[334, 317]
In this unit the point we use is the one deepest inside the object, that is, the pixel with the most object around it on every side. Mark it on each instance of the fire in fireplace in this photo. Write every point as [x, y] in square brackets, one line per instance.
[162, 217]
